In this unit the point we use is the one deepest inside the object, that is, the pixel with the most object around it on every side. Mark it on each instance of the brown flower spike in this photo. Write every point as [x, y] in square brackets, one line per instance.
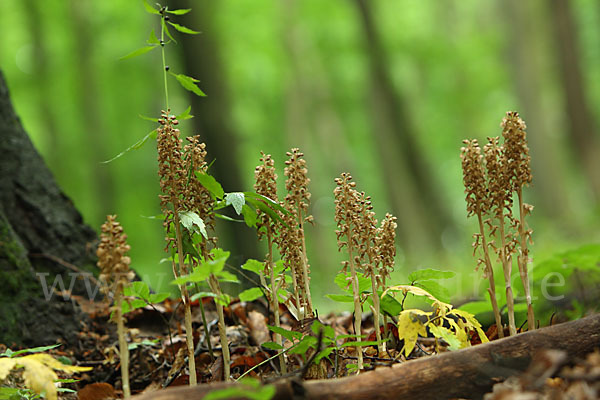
[114, 271]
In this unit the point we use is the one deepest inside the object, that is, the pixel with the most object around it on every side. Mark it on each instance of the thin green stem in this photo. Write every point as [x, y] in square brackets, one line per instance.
[164, 60]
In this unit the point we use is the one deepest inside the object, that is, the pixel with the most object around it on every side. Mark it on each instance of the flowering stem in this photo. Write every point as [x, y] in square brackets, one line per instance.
[522, 261]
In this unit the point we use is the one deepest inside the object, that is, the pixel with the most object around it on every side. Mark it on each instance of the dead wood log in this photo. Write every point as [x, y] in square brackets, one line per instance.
[467, 373]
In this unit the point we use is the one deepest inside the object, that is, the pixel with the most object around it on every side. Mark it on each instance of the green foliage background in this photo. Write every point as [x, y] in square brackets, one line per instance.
[297, 74]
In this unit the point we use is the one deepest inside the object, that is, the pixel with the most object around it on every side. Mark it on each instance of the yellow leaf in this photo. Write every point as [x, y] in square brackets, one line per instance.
[472, 324]
[38, 372]
[38, 377]
[410, 327]
[53, 363]
[6, 364]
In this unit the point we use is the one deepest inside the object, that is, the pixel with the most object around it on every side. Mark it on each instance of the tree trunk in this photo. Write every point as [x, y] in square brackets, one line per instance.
[415, 196]
[42, 235]
[582, 127]
[202, 60]
[467, 373]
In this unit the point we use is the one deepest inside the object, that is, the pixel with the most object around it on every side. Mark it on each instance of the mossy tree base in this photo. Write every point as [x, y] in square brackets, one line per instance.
[39, 226]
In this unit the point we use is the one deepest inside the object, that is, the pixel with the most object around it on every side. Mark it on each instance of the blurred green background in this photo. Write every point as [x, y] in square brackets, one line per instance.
[385, 90]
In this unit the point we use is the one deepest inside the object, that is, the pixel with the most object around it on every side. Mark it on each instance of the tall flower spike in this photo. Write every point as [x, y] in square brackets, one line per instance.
[114, 270]
[478, 203]
[173, 180]
[266, 185]
[298, 198]
[519, 171]
[348, 220]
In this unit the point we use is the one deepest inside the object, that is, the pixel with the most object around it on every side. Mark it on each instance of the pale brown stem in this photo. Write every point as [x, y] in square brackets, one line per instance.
[490, 274]
[189, 337]
[306, 279]
[123, 348]
[507, 267]
[375, 296]
[274, 299]
[213, 282]
[357, 305]
[522, 261]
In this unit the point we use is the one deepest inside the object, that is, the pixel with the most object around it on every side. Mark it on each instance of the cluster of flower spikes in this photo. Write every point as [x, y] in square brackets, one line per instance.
[347, 215]
[196, 197]
[112, 256]
[171, 171]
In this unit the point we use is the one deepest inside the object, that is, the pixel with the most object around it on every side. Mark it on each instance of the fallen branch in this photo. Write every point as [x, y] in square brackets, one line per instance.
[465, 373]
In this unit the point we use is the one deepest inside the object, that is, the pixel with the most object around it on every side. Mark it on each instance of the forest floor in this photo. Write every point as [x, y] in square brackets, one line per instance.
[158, 354]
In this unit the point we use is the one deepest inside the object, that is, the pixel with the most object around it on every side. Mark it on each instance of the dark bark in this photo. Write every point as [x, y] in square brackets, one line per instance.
[524, 24]
[40, 233]
[582, 127]
[202, 60]
[467, 373]
[415, 197]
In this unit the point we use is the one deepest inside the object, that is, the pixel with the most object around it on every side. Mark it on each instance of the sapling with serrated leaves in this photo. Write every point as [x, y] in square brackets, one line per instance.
[116, 275]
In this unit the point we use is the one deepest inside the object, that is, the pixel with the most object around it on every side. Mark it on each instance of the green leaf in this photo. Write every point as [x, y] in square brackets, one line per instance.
[181, 11]
[250, 216]
[289, 335]
[139, 52]
[201, 295]
[148, 118]
[150, 9]
[441, 332]
[344, 283]
[128, 306]
[328, 331]
[428, 274]
[217, 264]
[438, 291]
[255, 266]
[363, 343]
[250, 294]
[227, 218]
[189, 83]
[185, 115]
[193, 223]
[272, 346]
[211, 184]
[270, 202]
[476, 307]
[323, 354]
[137, 289]
[341, 298]
[10, 353]
[159, 297]
[224, 299]
[183, 29]
[166, 30]
[227, 276]
[306, 343]
[135, 146]
[237, 200]
[153, 39]
[390, 305]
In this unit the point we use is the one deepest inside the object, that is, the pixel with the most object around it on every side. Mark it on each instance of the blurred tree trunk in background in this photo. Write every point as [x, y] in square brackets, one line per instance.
[88, 93]
[41, 236]
[416, 198]
[525, 53]
[582, 127]
[45, 98]
[212, 121]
